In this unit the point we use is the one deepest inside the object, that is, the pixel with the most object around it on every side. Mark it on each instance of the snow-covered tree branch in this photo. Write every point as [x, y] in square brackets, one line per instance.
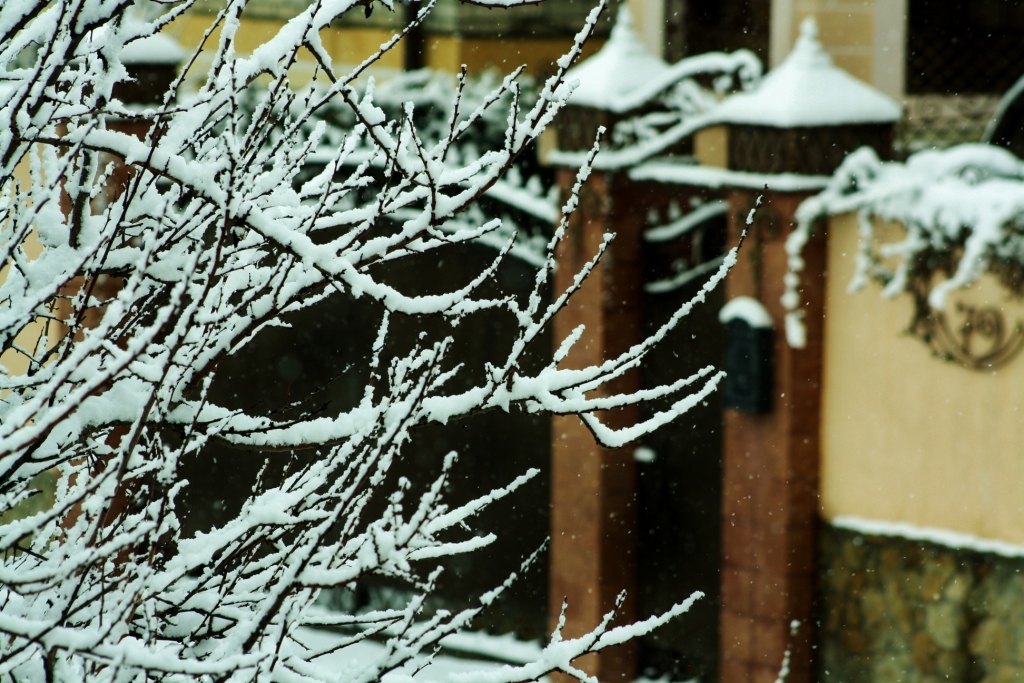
[143, 246]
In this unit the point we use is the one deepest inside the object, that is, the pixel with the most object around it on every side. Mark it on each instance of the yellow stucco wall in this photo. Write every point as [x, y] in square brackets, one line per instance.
[846, 29]
[349, 45]
[906, 436]
[449, 53]
[865, 37]
[14, 362]
[711, 146]
[345, 45]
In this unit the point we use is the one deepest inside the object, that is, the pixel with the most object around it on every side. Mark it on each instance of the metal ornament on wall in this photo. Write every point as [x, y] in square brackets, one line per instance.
[979, 340]
[977, 337]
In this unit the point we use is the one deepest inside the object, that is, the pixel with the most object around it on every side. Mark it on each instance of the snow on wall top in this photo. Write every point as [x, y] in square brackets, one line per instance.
[674, 171]
[807, 89]
[154, 49]
[621, 67]
[749, 310]
[945, 537]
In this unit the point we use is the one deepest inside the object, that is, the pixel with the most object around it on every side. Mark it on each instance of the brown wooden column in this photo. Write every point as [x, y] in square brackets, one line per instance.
[770, 464]
[593, 489]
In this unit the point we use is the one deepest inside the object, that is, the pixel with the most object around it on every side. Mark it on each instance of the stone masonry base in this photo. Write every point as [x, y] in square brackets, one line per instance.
[892, 609]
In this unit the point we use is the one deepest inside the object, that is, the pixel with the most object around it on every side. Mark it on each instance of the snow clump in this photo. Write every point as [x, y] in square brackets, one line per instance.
[962, 209]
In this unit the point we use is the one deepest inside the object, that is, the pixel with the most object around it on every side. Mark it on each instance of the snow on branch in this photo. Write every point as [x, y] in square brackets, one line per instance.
[142, 250]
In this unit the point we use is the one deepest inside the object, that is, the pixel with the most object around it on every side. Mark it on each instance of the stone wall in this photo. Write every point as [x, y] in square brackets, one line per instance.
[892, 609]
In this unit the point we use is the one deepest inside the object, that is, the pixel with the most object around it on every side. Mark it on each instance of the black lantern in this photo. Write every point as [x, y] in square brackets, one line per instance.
[748, 355]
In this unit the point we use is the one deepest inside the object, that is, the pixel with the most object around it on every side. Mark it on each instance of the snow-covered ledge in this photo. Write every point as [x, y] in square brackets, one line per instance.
[943, 537]
[666, 171]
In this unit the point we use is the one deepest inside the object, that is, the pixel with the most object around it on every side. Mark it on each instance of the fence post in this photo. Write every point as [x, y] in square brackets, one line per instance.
[788, 141]
[770, 464]
[593, 489]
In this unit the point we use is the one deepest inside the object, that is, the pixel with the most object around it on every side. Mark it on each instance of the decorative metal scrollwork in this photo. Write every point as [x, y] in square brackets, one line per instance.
[981, 341]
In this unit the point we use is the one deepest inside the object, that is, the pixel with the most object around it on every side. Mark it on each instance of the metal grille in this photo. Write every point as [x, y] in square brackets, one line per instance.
[963, 62]
[698, 26]
[577, 127]
[811, 151]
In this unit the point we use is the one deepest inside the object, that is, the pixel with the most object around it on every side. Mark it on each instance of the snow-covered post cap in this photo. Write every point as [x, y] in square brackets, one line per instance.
[158, 48]
[609, 86]
[808, 89]
[152, 62]
[803, 117]
[621, 67]
[749, 310]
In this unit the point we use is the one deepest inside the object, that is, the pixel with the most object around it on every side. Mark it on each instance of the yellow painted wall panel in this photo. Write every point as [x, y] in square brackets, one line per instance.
[711, 146]
[859, 66]
[906, 436]
[345, 45]
[447, 53]
[353, 45]
[846, 29]
[15, 362]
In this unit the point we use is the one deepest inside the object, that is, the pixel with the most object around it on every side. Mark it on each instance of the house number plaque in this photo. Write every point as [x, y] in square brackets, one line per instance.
[977, 337]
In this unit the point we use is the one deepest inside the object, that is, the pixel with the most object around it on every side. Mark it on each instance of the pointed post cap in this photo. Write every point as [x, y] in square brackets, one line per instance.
[622, 66]
[152, 62]
[808, 89]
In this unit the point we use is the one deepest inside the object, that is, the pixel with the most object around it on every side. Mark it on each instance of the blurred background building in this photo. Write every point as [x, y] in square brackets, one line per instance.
[947, 61]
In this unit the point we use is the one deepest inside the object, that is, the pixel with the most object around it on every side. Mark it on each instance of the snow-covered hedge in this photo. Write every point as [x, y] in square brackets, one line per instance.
[962, 209]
